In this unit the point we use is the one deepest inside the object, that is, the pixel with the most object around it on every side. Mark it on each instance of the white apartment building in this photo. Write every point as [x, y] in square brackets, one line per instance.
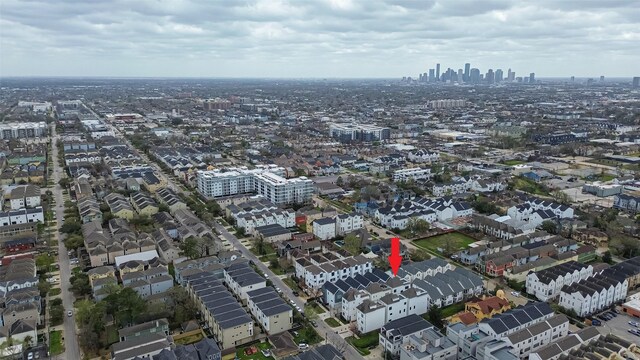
[13, 130]
[267, 181]
[324, 228]
[346, 223]
[26, 196]
[546, 284]
[593, 294]
[317, 269]
[412, 174]
[423, 156]
[22, 216]
[359, 132]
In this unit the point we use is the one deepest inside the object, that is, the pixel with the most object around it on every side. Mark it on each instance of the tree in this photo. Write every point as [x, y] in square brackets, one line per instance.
[64, 182]
[70, 227]
[419, 255]
[606, 257]
[43, 287]
[353, 244]
[44, 262]
[73, 241]
[561, 197]
[80, 284]
[549, 226]
[125, 306]
[191, 248]
[339, 181]
[27, 341]
[418, 226]
[435, 316]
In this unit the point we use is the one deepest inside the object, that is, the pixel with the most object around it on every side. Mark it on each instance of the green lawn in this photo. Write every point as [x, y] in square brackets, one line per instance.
[315, 307]
[364, 342]
[55, 340]
[111, 334]
[452, 310]
[292, 284]
[307, 335]
[190, 339]
[450, 242]
[332, 322]
[55, 291]
[513, 162]
[240, 354]
[529, 186]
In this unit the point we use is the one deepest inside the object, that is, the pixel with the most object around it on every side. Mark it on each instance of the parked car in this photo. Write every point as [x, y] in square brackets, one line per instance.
[634, 324]
[295, 293]
[303, 346]
[515, 293]
[596, 322]
[612, 313]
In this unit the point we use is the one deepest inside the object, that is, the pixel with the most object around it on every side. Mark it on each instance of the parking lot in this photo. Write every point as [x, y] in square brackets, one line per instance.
[619, 326]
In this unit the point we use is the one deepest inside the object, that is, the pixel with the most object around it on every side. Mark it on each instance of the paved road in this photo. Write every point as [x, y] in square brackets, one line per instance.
[72, 350]
[322, 328]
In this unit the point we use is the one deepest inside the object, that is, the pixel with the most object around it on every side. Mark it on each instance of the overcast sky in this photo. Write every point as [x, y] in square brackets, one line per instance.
[323, 38]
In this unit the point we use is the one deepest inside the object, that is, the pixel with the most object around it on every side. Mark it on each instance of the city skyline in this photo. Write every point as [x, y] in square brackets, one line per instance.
[317, 39]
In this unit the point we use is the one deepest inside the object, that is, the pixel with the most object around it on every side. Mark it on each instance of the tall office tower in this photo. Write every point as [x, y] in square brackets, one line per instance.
[474, 76]
[467, 74]
[490, 77]
[460, 76]
[432, 75]
[437, 72]
[636, 81]
[532, 78]
[512, 77]
[601, 78]
[573, 79]
[420, 77]
[425, 78]
[499, 75]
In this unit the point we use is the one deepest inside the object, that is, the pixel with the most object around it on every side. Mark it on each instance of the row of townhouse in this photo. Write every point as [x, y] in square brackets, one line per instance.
[397, 215]
[380, 303]
[339, 225]
[222, 314]
[510, 257]
[253, 214]
[169, 198]
[21, 303]
[211, 264]
[148, 280]
[22, 216]
[144, 204]
[546, 284]
[89, 209]
[412, 174]
[423, 156]
[472, 254]
[119, 206]
[463, 185]
[334, 292]
[242, 279]
[534, 204]
[104, 245]
[317, 269]
[627, 203]
[584, 343]
[489, 338]
[101, 279]
[270, 310]
[24, 196]
[593, 294]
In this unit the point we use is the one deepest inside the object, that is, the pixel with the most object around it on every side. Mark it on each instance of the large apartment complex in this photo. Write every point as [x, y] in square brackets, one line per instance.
[267, 181]
[359, 132]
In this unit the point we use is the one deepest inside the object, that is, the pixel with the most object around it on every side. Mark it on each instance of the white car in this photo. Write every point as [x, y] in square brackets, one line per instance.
[69, 313]
[303, 346]
[515, 293]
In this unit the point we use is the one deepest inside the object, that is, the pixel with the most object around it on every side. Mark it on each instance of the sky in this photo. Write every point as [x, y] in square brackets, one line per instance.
[317, 38]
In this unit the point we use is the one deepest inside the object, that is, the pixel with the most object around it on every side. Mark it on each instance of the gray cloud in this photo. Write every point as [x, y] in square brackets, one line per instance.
[323, 38]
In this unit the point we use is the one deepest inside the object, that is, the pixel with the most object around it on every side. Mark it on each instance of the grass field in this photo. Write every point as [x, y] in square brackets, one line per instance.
[55, 338]
[529, 186]
[513, 162]
[315, 307]
[452, 310]
[450, 242]
[186, 340]
[332, 322]
[257, 356]
[364, 342]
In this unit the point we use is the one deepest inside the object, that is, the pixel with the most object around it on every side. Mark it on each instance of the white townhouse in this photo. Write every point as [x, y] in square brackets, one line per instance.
[423, 156]
[241, 279]
[346, 223]
[324, 228]
[593, 294]
[317, 269]
[546, 284]
[413, 174]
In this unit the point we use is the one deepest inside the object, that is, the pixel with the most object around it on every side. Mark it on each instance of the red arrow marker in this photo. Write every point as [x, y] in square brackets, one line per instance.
[395, 259]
